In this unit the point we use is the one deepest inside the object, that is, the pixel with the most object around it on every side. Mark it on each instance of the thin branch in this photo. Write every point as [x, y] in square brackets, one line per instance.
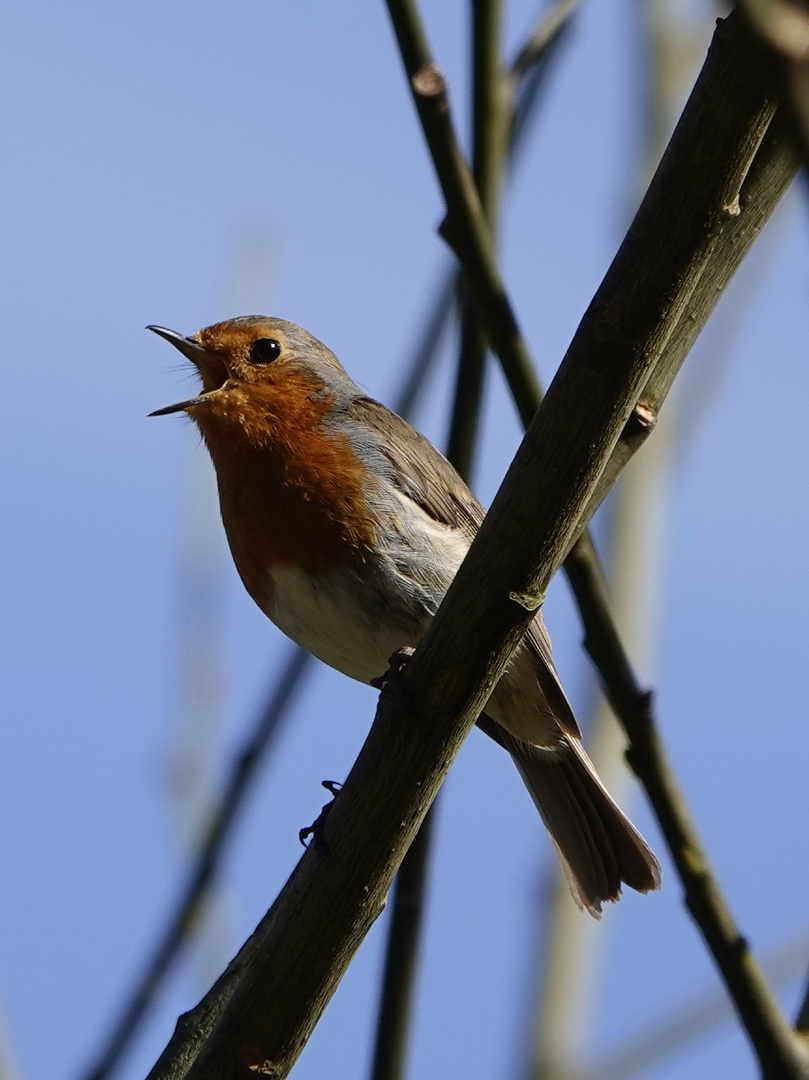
[551, 25]
[779, 1053]
[401, 956]
[522, 89]
[489, 154]
[712, 193]
[466, 220]
[488, 157]
[192, 899]
[434, 326]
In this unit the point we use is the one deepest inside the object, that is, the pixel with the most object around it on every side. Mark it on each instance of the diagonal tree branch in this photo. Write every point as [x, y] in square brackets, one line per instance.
[673, 1033]
[689, 230]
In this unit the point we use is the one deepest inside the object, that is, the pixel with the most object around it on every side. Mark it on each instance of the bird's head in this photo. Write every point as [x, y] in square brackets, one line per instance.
[254, 359]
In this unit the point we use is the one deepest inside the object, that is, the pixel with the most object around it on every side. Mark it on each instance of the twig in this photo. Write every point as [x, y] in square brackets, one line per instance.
[778, 1051]
[466, 221]
[536, 49]
[489, 155]
[689, 231]
[523, 85]
[433, 327]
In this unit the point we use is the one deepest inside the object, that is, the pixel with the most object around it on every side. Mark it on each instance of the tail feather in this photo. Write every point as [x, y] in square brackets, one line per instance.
[598, 846]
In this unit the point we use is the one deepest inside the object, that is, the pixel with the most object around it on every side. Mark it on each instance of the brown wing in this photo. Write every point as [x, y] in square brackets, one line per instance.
[421, 472]
[426, 477]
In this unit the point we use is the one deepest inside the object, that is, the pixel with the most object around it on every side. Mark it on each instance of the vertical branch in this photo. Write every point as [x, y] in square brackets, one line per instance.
[407, 916]
[401, 956]
[488, 160]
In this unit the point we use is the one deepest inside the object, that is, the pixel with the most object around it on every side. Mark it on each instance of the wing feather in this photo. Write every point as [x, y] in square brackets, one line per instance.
[419, 470]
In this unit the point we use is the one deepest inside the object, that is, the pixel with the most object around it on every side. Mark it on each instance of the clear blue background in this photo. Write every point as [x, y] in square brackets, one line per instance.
[153, 155]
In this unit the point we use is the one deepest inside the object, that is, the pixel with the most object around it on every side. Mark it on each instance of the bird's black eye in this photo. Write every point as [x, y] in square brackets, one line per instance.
[265, 350]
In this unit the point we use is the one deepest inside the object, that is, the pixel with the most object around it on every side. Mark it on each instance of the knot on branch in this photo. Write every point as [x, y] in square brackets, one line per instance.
[641, 421]
[430, 85]
[529, 601]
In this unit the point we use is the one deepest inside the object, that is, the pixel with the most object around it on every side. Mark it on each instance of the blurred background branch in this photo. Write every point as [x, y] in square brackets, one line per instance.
[783, 26]
[665, 1038]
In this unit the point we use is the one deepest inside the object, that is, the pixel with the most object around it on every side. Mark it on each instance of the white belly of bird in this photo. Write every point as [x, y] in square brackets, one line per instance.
[356, 617]
[330, 617]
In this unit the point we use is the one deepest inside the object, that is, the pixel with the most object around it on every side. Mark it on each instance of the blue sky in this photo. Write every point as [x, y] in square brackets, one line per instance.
[181, 163]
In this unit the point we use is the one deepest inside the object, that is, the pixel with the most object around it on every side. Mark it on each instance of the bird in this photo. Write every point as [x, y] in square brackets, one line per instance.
[347, 526]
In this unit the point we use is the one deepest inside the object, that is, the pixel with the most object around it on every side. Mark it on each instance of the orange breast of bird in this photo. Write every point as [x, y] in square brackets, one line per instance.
[292, 492]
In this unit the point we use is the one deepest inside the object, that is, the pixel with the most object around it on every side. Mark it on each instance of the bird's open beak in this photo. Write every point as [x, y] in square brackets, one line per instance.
[188, 346]
[209, 367]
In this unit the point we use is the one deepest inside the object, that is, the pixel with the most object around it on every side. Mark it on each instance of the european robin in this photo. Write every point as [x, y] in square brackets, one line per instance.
[347, 527]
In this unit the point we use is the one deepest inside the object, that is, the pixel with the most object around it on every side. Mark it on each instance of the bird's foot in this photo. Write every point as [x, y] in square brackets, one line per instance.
[396, 666]
[315, 830]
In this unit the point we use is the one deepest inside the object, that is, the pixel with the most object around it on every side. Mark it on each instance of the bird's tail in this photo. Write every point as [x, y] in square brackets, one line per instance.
[598, 846]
